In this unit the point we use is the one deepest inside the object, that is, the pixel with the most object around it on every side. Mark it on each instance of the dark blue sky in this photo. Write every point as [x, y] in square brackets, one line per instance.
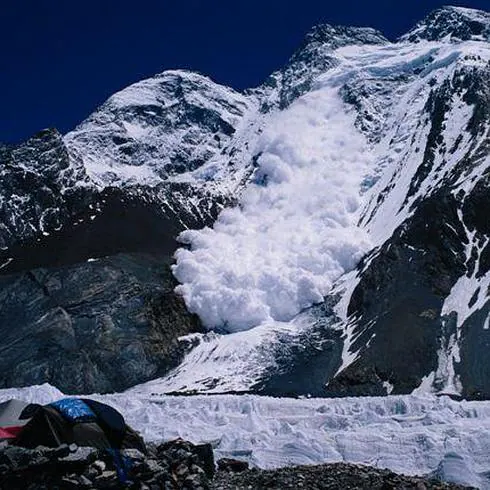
[61, 59]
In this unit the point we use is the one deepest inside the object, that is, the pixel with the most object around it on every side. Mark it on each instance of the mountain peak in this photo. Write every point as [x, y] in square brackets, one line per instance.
[338, 36]
[457, 23]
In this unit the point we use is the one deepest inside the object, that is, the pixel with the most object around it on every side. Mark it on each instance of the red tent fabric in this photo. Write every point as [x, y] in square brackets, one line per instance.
[10, 432]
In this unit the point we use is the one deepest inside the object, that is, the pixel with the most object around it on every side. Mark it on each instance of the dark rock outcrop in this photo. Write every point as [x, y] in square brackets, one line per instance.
[92, 327]
[40, 186]
[86, 292]
[181, 465]
[172, 465]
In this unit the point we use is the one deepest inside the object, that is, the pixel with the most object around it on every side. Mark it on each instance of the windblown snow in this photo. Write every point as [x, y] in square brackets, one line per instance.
[407, 434]
[295, 230]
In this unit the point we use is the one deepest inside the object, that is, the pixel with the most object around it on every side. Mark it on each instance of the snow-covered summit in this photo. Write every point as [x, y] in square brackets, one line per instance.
[454, 23]
[158, 129]
[338, 36]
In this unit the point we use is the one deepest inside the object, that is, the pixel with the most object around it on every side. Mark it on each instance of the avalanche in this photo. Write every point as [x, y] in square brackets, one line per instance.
[407, 434]
[295, 230]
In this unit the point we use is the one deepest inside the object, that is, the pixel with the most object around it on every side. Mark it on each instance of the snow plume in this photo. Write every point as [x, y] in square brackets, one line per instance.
[294, 231]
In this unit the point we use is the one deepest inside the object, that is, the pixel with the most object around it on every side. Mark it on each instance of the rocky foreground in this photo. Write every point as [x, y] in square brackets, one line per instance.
[322, 477]
[180, 465]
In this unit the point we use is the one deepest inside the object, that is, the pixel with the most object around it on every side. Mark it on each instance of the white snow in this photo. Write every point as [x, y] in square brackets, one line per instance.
[455, 16]
[136, 135]
[462, 293]
[407, 434]
[388, 387]
[231, 362]
[401, 151]
[345, 287]
[426, 386]
[295, 230]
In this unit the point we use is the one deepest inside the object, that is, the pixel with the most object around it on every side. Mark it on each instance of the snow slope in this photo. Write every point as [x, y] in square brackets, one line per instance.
[407, 434]
[160, 129]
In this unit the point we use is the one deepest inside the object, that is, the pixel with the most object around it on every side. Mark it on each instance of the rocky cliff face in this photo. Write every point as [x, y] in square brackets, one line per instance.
[86, 290]
[92, 326]
[37, 180]
[89, 221]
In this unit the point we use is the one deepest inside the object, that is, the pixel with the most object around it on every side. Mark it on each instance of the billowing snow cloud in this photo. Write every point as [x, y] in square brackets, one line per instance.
[295, 230]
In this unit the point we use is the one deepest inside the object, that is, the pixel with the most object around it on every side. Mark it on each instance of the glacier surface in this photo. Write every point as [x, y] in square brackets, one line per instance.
[423, 435]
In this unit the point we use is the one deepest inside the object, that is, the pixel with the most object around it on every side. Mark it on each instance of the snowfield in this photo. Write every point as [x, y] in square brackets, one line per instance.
[407, 434]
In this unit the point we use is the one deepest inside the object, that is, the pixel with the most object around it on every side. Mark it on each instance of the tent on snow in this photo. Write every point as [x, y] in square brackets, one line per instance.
[84, 422]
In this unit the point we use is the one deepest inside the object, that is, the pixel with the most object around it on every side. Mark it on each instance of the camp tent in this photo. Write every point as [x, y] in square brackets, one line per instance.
[84, 422]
